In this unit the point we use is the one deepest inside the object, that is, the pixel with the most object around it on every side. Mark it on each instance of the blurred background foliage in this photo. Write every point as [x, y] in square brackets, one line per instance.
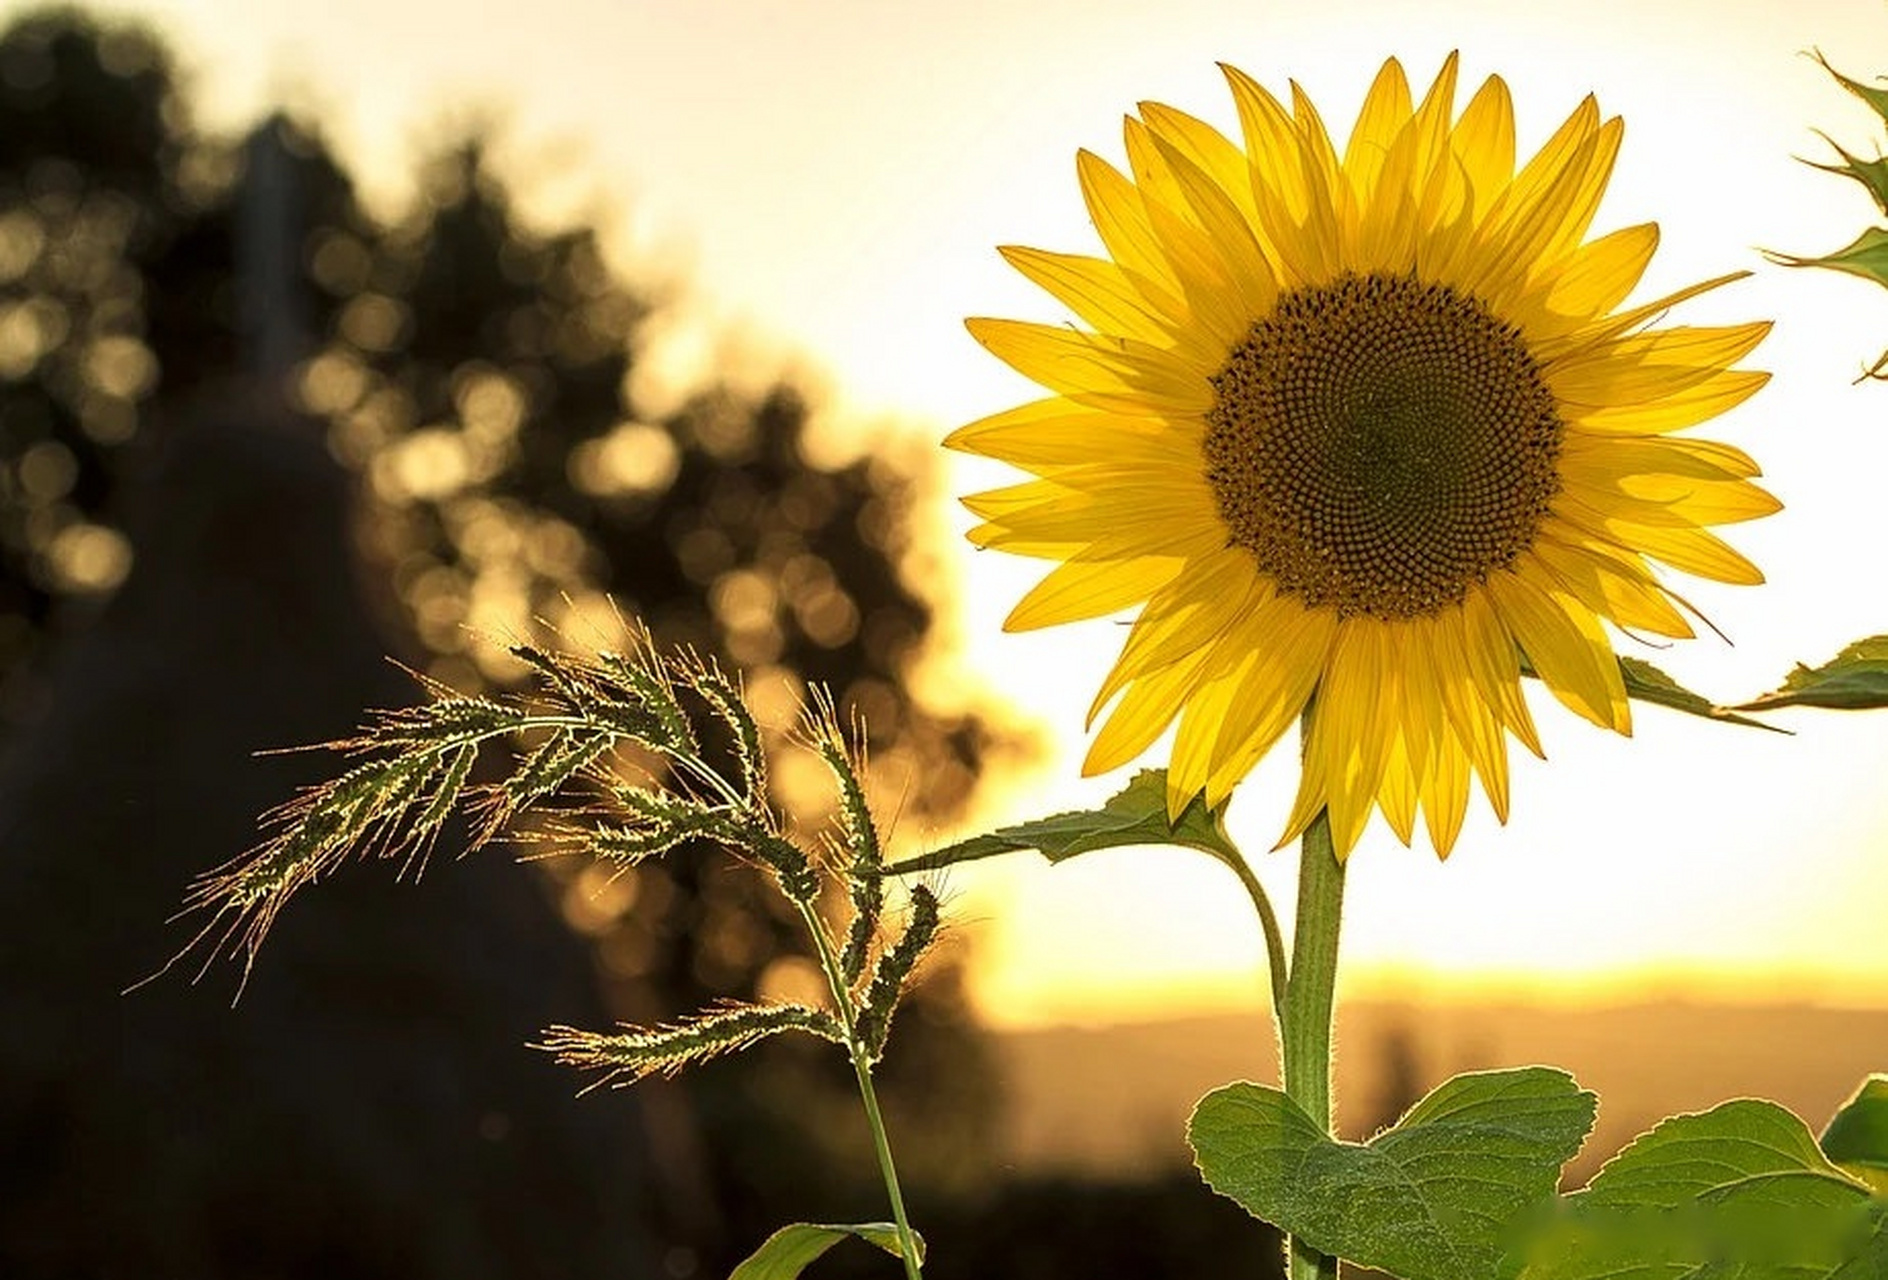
[472, 374]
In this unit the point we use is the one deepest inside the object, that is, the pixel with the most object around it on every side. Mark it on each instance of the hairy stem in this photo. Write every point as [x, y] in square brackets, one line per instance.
[881, 1143]
[862, 1069]
[1305, 1032]
[1268, 922]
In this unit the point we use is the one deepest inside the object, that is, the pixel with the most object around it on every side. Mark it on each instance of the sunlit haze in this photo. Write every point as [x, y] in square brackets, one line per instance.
[825, 182]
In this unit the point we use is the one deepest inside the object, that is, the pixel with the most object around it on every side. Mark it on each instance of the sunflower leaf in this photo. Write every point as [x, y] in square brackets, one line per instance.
[1648, 684]
[790, 1250]
[1428, 1199]
[1854, 680]
[1136, 815]
[1865, 256]
[1872, 174]
[1739, 1192]
[1876, 96]
[1857, 1139]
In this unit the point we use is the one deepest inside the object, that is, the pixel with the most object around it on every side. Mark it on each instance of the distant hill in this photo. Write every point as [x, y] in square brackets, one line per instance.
[1113, 1100]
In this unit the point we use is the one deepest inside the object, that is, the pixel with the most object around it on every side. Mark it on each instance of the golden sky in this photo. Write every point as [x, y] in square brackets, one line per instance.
[829, 177]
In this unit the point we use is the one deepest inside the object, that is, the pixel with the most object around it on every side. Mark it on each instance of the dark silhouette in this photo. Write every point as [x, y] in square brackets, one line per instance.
[191, 334]
[251, 440]
[367, 1111]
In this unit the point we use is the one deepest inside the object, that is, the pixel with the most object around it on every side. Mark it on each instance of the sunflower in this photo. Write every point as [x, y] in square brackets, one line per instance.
[1364, 436]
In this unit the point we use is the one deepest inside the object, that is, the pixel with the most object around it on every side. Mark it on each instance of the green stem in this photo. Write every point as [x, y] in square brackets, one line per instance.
[862, 1069]
[907, 1243]
[1268, 922]
[1305, 1033]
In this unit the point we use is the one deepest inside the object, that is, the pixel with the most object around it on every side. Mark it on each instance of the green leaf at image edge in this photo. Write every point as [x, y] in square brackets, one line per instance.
[1872, 174]
[1857, 1138]
[1854, 680]
[788, 1251]
[1875, 95]
[1739, 1192]
[1136, 815]
[1429, 1198]
[1865, 256]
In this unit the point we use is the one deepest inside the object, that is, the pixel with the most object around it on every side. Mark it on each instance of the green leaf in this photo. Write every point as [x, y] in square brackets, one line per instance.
[1710, 1153]
[1876, 98]
[1865, 256]
[1648, 684]
[1857, 1139]
[1740, 1192]
[1136, 815]
[1752, 1234]
[1854, 680]
[790, 1250]
[1872, 174]
[1426, 1200]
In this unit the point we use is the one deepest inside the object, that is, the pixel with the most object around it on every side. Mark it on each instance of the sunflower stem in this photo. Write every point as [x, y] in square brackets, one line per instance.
[1310, 994]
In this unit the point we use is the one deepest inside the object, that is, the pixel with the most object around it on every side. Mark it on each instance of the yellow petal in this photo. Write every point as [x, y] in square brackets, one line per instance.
[1692, 550]
[1494, 667]
[1429, 126]
[1398, 794]
[1385, 111]
[1239, 260]
[1510, 247]
[1484, 142]
[1566, 644]
[1143, 714]
[1056, 432]
[1320, 157]
[1634, 318]
[1120, 219]
[1097, 290]
[1288, 647]
[1271, 140]
[1611, 588]
[1205, 147]
[1097, 370]
[1649, 366]
[1349, 726]
[1445, 794]
[1082, 589]
[1719, 393]
[1216, 594]
[1597, 277]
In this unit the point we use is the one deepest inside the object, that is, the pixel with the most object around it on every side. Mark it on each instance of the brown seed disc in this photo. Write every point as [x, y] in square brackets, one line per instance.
[1382, 444]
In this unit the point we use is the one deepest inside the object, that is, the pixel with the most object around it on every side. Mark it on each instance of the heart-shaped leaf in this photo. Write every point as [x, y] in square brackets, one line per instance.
[1136, 815]
[788, 1251]
[1740, 1192]
[1857, 1139]
[1428, 1199]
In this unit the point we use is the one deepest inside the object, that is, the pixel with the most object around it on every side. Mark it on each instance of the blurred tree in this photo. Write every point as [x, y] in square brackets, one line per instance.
[478, 373]
[475, 373]
[88, 147]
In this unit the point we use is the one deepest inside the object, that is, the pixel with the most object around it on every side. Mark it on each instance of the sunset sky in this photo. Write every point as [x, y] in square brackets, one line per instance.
[826, 181]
